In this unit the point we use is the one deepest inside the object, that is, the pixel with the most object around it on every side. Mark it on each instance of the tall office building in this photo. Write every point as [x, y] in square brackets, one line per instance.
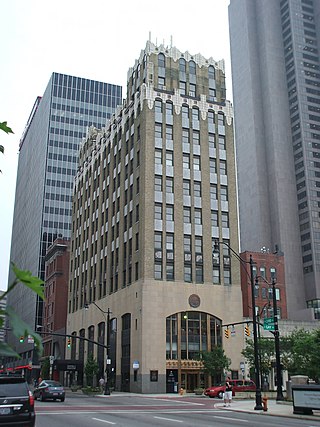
[276, 86]
[48, 161]
[154, 192]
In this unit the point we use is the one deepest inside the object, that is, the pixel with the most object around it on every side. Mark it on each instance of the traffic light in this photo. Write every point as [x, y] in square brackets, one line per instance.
[69, 343]
[227, 333]
[247, 331]
[21, 339]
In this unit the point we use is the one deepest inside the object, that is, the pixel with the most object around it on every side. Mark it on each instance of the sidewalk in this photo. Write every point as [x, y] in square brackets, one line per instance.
[279, 409]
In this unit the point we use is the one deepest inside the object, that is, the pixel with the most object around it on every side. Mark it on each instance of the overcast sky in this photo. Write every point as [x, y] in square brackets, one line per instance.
[96, 39]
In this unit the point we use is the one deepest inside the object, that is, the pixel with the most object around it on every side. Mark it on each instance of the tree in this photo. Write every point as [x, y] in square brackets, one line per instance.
[266, 354]
[304, 355]
[45, 368]
[91, 369]
[215, 362]
[5, 128]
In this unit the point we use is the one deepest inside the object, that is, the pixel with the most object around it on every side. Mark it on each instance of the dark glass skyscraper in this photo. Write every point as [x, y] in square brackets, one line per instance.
[48, 161]
[276, 84]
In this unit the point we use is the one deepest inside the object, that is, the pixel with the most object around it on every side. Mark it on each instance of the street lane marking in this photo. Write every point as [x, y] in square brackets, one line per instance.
[232, 419]
[103, 421]
[168, 419]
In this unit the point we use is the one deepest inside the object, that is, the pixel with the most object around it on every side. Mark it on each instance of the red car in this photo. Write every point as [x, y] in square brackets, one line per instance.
[237, 386]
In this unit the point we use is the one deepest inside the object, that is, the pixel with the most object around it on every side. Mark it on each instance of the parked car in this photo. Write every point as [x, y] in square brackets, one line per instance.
[237, 386]
[49, 389]
[16, 402]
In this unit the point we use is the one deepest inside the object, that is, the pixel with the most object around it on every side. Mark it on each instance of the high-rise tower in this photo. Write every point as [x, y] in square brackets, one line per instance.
[154, 192]
[48, 161]
[276, 86]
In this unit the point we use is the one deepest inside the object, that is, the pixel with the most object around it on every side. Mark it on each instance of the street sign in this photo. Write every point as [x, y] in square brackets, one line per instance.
[268, 324]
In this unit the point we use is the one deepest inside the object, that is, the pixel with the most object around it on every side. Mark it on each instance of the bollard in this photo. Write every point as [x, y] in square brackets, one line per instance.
[265, 403]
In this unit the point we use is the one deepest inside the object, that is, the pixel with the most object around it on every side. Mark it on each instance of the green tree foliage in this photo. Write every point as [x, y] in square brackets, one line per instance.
[266, 354]
[5, 128]
[215, 362]
[91, 369]
[45, 368]
[304, 357]
[299, 353]
[18, 327]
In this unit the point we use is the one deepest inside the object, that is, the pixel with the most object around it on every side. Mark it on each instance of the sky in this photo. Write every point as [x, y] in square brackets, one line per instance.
[98, 40]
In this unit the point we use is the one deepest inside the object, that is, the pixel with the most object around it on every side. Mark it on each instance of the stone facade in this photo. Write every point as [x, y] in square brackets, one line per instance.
[155, 190]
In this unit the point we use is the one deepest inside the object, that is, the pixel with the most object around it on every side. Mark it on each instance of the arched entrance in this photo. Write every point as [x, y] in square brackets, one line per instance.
[187, 335]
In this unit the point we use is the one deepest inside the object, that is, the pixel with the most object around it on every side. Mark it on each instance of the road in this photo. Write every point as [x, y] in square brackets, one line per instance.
[143, 411]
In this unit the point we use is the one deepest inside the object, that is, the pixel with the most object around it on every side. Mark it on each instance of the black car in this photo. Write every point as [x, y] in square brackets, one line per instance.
[16, 402]
[49, 389]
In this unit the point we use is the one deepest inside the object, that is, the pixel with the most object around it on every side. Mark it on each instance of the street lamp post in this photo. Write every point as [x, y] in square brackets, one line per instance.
[277, 343]
[258, 405]
[107, 370]
[276, 334]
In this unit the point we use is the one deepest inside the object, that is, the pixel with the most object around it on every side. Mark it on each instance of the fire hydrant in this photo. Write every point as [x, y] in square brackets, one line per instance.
[181, 392]
[265, 403]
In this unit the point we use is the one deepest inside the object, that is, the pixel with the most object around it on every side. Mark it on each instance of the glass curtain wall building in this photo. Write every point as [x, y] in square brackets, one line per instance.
[48, 161]
[276, 86]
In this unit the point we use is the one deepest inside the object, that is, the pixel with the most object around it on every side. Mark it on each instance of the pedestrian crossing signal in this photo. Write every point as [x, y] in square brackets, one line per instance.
[227, 333]
[247, 331]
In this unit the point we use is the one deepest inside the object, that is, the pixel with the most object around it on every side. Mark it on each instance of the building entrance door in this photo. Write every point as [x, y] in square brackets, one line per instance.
[189, 380]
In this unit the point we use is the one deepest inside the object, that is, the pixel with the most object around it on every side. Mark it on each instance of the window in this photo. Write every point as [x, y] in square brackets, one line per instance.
[199, 274]
[158, 211]
[169, 158]
[186, 187]
[220, 119]
[211, 72]
[161, 82]
[211, 117]
[213, 192]
[214, 219]
[216, 275]
[169, 133]
[211, 139]
[158, 131]
[161, 60]
[157, 183]
[185, 136]
[198, 216]
[185, 113]
[227, 276]
[186, 215]
[170, 271]
[158, 157]
[212, 165]
[169, 185]
[224, 193]
[223, 167]
[196, 163]
[187, 244]
[182, 65]
[273, 273]
[222, 142]
[224, 219]
[192, 89]
[192, 67]
[197, 189]
[186, 161]
[188, 273]
[158, 106]
[158, 271]
[196, 137]
[195, 114]
[169, 109]
[182, 87]
[169, 213]
[263, 272]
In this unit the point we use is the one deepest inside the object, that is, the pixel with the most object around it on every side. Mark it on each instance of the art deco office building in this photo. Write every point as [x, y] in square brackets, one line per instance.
[48, 161]
[154, 191]
[276, 86]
